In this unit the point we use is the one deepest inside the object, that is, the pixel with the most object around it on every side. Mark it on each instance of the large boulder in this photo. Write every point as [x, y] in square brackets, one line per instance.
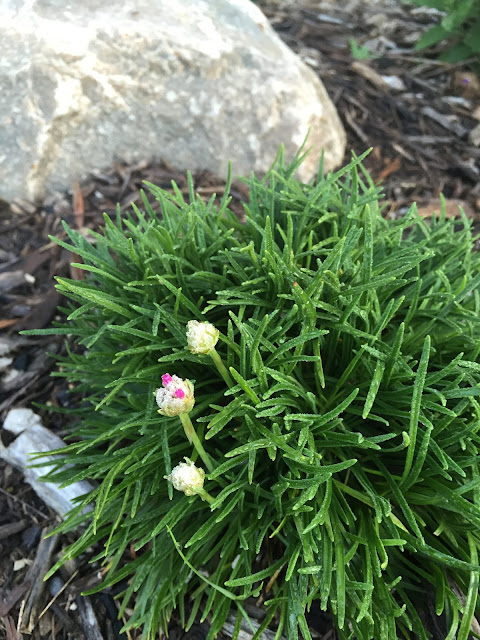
[194, 82]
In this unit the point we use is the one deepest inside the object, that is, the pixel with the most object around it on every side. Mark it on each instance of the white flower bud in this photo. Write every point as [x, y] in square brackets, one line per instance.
[187, 477]
[175, 396]
[201, 336]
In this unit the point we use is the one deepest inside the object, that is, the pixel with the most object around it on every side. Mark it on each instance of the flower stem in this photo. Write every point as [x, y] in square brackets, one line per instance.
[193, 438]
[204, 495]
[221, 368]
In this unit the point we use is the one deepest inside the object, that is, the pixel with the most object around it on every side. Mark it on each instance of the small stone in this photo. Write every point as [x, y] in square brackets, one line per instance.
[21, 361]
[395, 83]
[20, 310]
[54, 585]
[63, 397]
[19, 420]
[30, 537]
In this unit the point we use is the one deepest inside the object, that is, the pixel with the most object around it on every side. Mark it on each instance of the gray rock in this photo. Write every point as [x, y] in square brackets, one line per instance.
[19, 420]
[33, 437]
[194, 82]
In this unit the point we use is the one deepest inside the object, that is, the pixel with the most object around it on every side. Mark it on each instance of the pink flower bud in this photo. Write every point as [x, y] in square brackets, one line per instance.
[175, 396]
[166, 379]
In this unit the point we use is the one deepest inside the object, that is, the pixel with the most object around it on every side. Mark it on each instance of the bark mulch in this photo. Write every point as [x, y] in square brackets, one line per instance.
[419, 118]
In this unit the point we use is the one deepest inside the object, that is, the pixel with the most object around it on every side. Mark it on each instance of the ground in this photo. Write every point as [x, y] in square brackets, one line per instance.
[419, 117]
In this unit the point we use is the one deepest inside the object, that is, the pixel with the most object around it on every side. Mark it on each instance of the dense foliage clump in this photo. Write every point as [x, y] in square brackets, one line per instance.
[458, 30]
[342, 432]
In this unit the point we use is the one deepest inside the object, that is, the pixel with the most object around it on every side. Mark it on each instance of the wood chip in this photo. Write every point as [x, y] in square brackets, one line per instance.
[370, 74]
[467, 84]
[89, 620]
[474, 136]
[9, 600]
[403, 152]
[21, 206]
[11, 529]
[350, 120]
[7, 322]
[11, 280]
[78, 205]
[444, 121]
[21, 563]
[391, 167]
[35, 575]
[35, 260]
[10, 629]
[79, 213]
[451, 208]
[41, 314]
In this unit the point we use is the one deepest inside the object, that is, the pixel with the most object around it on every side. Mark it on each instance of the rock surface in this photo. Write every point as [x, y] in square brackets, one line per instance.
[33, 437]
[193, 82]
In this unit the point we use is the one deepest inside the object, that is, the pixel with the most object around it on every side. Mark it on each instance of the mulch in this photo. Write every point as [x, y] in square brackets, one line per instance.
[416, 114]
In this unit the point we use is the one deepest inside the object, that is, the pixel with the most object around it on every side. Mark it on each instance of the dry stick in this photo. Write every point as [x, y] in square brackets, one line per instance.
[89, 619]
[36, 574]
[10, 400]
[59, 592]
[10, 529]
[24, 504]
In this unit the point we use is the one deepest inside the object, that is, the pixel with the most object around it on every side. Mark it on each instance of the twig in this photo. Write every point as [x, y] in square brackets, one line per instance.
[89, 621]
[25, 504]
[10, 529]
[36, 574]
[11, 399]
[363, 137]
[60, 591]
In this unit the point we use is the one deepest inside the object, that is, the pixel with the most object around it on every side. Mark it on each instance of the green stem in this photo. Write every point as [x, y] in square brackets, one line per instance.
[193, 439]
[204, 495]
[221, 368]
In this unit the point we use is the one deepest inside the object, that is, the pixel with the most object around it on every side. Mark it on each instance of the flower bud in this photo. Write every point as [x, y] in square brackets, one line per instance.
[175, 396]
[187, 477]
[201, 337]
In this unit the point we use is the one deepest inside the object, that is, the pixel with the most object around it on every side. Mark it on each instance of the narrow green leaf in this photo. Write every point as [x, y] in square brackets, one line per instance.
[416, 406]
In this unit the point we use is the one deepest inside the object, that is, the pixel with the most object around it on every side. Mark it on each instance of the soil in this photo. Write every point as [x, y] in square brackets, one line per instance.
[417, 115]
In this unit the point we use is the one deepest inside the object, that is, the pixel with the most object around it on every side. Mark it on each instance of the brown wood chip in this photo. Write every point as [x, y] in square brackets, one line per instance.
[451, 208]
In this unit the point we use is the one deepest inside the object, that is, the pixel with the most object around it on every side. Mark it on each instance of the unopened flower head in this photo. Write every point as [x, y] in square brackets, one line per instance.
[175, 396]
[187, 477]
[201, 336]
